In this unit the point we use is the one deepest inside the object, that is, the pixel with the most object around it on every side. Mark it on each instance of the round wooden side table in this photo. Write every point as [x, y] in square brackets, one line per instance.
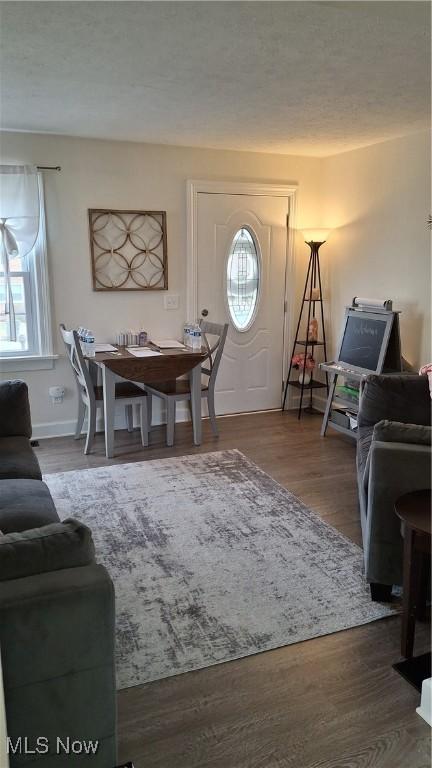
[414, 511]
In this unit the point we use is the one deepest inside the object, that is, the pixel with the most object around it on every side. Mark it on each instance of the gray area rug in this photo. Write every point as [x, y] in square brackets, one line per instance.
[212, 560]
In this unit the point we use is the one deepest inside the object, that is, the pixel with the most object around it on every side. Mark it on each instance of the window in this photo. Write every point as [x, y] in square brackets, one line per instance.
[29, 287]
[21, 292]
[243, 278]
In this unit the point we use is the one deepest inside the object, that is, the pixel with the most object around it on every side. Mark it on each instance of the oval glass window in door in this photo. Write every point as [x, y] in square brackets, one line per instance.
[243, 279]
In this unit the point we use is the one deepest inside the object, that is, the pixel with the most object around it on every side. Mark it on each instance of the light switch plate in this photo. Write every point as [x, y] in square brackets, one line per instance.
[171, 301]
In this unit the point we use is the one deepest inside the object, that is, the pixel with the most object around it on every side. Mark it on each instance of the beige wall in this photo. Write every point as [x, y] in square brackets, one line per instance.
[377, 201]
[127, 175]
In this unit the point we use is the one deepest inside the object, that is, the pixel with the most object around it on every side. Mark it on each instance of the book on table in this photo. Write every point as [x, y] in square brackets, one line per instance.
[168, 344]
[143, 352]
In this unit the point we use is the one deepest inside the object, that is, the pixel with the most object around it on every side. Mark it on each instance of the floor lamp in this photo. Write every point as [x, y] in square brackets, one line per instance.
[312, 296]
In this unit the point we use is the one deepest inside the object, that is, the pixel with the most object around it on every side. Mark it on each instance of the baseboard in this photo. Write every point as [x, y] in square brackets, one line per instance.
[67, 428]
[319, 403]
[53, 429]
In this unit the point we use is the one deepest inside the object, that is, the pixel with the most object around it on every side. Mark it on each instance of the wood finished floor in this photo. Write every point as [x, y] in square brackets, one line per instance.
[331, 702]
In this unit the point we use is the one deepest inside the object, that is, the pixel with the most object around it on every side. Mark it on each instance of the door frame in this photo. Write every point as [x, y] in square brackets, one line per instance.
[196, 186]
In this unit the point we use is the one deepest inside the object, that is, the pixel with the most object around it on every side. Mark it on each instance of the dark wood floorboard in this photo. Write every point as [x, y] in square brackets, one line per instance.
[331, 702]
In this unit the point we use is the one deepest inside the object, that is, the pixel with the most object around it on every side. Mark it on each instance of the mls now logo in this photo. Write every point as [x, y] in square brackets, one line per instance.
[41, 745]
[76, 746]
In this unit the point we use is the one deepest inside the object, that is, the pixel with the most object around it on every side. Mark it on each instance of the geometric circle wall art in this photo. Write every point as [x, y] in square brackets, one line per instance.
[128, 250]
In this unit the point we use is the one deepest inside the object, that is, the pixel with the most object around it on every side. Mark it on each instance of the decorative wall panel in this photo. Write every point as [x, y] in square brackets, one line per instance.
[128, 250]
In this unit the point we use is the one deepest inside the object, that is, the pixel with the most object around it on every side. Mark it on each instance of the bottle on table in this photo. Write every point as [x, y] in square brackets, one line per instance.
[196, 336]
[187, 339]
[82, 334]
[90, 344]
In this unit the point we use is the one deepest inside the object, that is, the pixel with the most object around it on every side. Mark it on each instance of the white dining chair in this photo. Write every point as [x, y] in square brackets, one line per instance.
[90, 395]
[175, 391]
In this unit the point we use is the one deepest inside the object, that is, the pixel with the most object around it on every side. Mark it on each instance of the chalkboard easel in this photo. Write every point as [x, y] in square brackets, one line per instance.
[370, 343]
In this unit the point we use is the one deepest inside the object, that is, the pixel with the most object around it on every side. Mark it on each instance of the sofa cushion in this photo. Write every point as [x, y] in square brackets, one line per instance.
[17, 459]
[404, 398]
[25, 504]
[396, 432]
[14, 409]
[51, 548]
[365, 435]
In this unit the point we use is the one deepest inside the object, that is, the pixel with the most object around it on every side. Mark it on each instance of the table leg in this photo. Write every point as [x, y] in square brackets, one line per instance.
[108, 378]
[424, 581]
[411, 576]
[195, 385]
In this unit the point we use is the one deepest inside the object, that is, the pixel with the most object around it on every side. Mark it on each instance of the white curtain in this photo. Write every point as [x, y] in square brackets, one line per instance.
[19, 223]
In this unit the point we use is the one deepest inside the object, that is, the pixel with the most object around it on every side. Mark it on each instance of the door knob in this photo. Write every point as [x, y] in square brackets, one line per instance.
[204, 312]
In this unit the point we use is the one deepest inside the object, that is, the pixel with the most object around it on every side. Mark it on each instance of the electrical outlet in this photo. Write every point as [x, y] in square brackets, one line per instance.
[171, 301]
[56, 394]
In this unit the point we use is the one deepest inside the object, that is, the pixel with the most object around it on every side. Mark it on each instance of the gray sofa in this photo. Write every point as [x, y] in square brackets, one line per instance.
[56, 613]
[393, 458]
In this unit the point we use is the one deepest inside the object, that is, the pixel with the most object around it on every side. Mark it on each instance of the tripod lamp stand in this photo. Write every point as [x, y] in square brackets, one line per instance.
[303, 359]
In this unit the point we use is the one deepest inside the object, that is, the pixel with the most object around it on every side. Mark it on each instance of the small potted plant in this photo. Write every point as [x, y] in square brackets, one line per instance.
[305, 366]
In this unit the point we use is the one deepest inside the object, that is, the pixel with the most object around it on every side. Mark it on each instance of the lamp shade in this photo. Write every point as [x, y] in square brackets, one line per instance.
[315, 235]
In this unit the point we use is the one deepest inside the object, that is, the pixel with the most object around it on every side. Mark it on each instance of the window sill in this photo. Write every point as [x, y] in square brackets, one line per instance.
[29, 363]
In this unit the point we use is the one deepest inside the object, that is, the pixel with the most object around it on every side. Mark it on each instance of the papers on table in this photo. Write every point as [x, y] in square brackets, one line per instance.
[168, 344]
[142, 352]
[104, 348]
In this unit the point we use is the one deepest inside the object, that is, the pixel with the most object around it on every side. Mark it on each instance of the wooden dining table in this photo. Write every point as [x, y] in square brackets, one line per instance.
[164, 367]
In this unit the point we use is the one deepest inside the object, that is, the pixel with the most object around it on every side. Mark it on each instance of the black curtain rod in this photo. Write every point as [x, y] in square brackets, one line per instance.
[48, 167]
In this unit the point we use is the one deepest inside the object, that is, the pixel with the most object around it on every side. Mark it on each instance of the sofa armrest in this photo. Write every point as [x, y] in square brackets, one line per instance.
[53, 547]
[392, 470]
[398, 397]
[14, 409]
[395, 432]
[57, 646]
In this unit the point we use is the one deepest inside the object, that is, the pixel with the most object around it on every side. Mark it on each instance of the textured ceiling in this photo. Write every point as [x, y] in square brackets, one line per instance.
[312, 78]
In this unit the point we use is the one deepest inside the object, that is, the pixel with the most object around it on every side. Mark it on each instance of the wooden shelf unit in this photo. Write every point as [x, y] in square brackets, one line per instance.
[312, 283]
[307, 343]
[312, 384]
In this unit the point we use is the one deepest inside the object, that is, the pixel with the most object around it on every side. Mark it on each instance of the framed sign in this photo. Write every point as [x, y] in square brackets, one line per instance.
[128, 250]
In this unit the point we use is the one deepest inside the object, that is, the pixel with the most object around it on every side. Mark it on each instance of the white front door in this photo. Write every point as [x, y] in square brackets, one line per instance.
[241, 263]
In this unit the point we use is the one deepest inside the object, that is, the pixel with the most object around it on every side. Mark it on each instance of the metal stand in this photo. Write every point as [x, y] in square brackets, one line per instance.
[313, 280]
[334, 370]
[389, 361]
